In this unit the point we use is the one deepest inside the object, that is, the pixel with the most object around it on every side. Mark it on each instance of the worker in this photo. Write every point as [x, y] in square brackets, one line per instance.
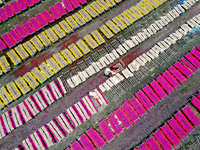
[107, 72]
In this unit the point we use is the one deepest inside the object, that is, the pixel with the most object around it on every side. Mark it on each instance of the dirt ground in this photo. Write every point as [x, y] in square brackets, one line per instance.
[25, 15]
[33, 62]
[144, 126]
[155, 117]
[21, 69]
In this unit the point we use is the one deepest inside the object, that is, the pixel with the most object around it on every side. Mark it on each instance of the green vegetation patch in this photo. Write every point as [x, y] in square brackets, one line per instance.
[190, 85]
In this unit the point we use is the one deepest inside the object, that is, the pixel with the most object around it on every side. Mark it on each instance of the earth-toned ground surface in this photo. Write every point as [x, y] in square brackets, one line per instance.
[147, 123]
